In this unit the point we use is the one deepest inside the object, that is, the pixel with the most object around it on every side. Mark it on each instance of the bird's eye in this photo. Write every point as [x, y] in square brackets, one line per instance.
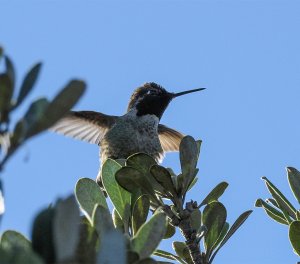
[154, 92]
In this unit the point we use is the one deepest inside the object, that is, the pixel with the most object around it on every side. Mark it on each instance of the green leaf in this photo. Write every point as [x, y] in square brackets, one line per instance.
[271, 211]
[66, 224]
[220, 238]
[116, 193]
[140, 212]
[112, 243]
[140, 161]
[182, 251]
[13, 238]
[117, 220]
[192, 184]
[15, 248]
[298, 214]
[214, 218]
[215, 194]
[6, 92]
[294, 235]
[28, 83]
[102, 220]
[188, 152]
[199, 143]
[294, 181]
[143, 162]
[35, 113]
[164, 178]
[86, 248]
[42, 235]
[195, 219]
[149, 235]
[132, 179]
[88, 194]
[282, 201]
[10, 71]
[273, 202]
[236, 225]
[167, 255]
[59, 107]
[170, 231]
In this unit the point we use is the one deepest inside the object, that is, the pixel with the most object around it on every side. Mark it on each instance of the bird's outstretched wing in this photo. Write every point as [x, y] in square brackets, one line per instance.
[85, 125]
[169, 138]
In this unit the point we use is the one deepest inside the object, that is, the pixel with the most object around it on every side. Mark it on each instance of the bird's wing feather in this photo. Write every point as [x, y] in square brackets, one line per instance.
[85, 125]
[169, 138]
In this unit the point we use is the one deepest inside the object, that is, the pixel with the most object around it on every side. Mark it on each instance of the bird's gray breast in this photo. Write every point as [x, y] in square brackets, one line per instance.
[132, 134]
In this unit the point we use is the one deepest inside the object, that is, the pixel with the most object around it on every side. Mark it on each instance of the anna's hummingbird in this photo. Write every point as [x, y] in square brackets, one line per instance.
[136, 131]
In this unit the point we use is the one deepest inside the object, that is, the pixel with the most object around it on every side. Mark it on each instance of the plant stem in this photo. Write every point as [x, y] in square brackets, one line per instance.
[184, 224]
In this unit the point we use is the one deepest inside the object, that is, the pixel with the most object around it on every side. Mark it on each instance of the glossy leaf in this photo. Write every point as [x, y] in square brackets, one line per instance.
[214, 218]
[88, 194]
[149, 235]
[294, 235]
[182, 251]
[282, 201]
[215, 194]
[28, 83]
[294, 181]
[272, 212]
[119, 196]
[140, 212]
[66, 229]
[236, 225]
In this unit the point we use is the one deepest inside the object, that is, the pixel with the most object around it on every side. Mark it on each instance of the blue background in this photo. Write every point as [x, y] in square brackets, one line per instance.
[245, 52]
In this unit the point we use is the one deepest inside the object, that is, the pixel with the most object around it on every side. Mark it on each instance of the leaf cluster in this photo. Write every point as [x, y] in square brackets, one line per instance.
[281, 210]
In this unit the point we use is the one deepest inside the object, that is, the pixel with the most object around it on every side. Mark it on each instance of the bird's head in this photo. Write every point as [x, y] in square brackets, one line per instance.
[153, 99]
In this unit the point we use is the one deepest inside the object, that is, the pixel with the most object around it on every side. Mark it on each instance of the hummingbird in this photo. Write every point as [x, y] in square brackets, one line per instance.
[138, 130]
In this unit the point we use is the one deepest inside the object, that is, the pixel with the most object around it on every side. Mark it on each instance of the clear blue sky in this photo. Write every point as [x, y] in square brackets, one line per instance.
[245, 52]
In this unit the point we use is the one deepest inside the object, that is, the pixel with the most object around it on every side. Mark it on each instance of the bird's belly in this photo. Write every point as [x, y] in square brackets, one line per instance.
[129, 137]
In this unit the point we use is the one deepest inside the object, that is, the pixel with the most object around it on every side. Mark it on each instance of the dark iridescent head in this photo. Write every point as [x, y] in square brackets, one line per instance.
[153, 99]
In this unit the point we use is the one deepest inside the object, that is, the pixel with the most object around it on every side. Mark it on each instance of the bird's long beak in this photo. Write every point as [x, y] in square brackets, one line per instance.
[187, 92]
